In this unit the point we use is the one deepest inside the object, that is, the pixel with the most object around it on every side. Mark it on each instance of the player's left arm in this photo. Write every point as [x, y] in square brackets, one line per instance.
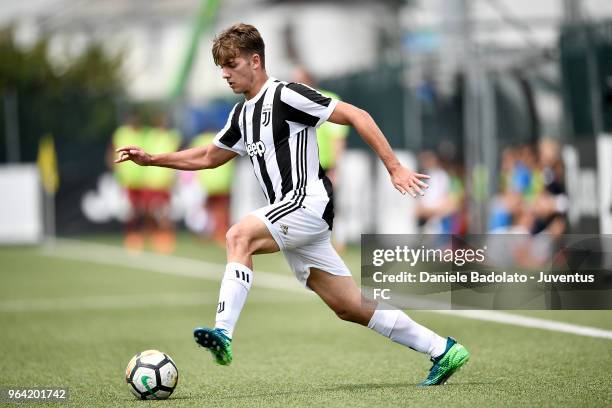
[403, 179]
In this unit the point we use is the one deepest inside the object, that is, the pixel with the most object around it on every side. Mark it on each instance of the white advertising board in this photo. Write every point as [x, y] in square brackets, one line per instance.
[21, 216]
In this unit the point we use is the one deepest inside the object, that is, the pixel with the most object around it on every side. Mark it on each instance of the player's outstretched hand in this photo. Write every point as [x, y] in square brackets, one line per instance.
[133, 153]
[406, 181]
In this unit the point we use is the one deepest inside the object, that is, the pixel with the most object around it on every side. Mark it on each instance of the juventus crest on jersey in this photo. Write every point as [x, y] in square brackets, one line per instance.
[277, 130]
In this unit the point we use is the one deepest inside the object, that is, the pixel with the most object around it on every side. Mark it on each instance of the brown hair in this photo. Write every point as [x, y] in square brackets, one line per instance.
[238, 39]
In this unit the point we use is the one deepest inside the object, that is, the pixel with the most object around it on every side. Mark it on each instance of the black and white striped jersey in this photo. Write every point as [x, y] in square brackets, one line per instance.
[277, 129]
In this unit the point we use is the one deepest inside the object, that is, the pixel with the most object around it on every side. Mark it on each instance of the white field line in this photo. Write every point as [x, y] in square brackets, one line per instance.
[118, 302]
[533, 322]
[166, 264]
[501, 317]
[104, 302]
[174, 265]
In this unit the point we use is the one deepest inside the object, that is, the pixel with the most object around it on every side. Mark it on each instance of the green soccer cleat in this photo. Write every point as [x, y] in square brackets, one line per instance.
[445, 365]
[217, 341]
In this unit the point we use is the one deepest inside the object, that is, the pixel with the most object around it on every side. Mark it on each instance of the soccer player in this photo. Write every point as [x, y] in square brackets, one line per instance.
[275, 125]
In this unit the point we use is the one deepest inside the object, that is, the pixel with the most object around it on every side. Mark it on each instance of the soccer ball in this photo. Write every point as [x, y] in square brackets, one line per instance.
[151, 375]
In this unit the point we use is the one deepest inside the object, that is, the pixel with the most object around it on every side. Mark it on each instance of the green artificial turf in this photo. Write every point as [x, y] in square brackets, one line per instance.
[75, 323]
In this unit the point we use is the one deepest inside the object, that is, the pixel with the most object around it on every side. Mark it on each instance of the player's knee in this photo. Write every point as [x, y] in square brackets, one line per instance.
[238, 238]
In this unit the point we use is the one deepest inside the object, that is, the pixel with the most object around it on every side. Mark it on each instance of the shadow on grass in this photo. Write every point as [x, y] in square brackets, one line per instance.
[172, 397]
[341, 387]
[350, 388]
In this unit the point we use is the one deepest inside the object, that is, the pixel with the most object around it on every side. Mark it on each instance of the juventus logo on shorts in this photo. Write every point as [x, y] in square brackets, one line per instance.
[267, 113]
[221, 307]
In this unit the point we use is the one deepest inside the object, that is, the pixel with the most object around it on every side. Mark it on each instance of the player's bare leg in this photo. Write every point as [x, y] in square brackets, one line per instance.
[250, 236]
[343, 296]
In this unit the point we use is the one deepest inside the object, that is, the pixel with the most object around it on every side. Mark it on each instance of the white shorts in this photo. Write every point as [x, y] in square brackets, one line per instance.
[303, 236]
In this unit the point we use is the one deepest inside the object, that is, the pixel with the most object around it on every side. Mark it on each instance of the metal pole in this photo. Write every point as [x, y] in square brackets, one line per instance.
[11, 126]
[413, 126]
[476, 125]
[49, 219]
[472, 138]
[594, 83]
[572, 11]
[489, 146]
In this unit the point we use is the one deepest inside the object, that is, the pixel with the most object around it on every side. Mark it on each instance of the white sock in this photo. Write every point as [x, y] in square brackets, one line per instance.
[235, 286]
[400, 328]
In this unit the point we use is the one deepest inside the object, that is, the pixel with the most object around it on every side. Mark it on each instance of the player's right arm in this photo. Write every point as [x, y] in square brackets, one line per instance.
[196, 158]
[228, 144]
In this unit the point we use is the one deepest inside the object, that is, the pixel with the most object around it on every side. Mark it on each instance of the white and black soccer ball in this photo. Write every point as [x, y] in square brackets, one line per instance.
[151, 375]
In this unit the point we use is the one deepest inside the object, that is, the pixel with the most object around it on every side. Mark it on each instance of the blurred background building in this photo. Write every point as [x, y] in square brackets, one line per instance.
[510, 100]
